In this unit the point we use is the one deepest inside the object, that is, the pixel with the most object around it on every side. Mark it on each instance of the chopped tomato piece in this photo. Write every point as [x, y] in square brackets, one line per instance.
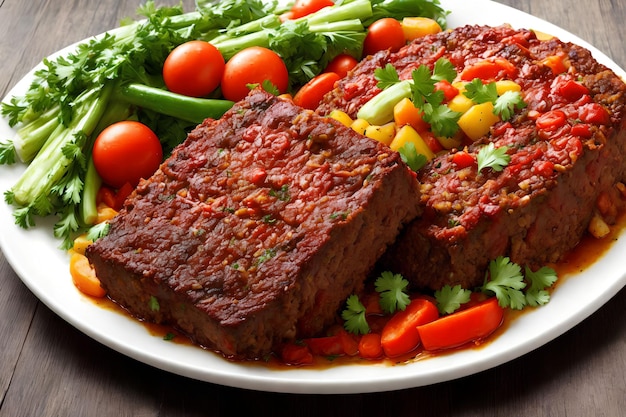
[489, 69]
[463, 159]
[551, 120]
[295, 354]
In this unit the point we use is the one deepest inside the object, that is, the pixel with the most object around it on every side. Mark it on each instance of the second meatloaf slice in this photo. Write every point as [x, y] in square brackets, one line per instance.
[257, 228]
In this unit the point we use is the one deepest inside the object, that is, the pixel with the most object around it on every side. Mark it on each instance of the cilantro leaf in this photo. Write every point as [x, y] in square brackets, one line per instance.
[444, 70]
[481, 93]
[386, 76]
[491, 157]
[541, 279]
[443, 121]
[423, 86]
[504, 279]
[354, 316]
[98, 230]
[449, 299]
[411, 157]
[392, 290]
[505, 105]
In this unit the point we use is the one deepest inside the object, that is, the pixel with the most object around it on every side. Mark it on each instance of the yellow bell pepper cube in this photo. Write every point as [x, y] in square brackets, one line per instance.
[406, 134]
[384, 133]
[477, 121]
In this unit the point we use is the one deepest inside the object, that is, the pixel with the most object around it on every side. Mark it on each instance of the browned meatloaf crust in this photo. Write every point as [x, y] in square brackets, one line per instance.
[257, 228]
[540, 205]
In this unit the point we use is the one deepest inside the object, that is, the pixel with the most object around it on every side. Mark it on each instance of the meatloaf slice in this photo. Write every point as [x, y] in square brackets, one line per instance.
[567, 149]
[257, 228]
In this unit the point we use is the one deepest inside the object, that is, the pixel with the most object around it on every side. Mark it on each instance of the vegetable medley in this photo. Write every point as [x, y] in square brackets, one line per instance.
[97, 120]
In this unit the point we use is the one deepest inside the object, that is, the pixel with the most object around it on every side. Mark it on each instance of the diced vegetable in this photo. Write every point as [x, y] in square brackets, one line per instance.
[464, 326]
[417, 27]
[477, 121]
[341, 117]
[384, 133]
[84, 276]
[406, 134]
[405, 113]
[370, 346]
[400, 335]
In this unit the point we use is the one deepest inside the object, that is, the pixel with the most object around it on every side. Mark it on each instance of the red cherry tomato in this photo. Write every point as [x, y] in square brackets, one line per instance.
[193, 69]
[310, 95]
[253, 65]
[341, 65]
[126, 152]
[303, 8]
[385, 33]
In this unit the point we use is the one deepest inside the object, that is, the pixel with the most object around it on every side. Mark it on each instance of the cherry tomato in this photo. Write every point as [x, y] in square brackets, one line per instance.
[385, 33]
[126, 152]
[303, 8]
[341, 65]
[310, 95]
[253, 65]
[193, 69]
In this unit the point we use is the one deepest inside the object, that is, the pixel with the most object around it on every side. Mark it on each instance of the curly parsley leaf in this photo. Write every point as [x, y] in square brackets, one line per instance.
[354, 316]
[541, 279]
[449, 298]
[504, 279]
[392, 289]
[491, 157]
[411, 157]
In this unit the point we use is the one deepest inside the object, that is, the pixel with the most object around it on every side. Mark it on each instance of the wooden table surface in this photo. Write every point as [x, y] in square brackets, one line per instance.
[48, 368]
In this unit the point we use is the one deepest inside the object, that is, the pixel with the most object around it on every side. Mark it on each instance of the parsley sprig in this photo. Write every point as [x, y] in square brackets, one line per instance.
[503, 105]
[504, 280]
[491, 157]
[392, 290]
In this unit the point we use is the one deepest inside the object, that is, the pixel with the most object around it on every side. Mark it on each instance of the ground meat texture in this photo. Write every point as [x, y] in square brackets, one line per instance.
[539, 206]
[257, 228]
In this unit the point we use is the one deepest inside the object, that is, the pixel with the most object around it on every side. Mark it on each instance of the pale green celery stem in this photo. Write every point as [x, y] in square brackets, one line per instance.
[116, 112]
[49, 166]
[358, 9]
[231, 46]
[379, 110]
[267, 22]
[353, 25]
[32, 136]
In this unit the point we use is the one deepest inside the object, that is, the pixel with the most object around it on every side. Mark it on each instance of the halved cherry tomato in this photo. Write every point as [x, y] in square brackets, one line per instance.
[126, 152]
[250, 66]
[341, 65]
[400, 334]
[303, 8]
[462, 327]
[385, 33]
[193, 69]
[310, 94]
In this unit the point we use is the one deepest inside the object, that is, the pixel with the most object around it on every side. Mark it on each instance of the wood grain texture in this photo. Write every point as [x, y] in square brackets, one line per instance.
[48, 368]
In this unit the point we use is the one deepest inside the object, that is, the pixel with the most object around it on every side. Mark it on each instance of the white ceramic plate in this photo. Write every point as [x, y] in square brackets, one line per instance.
[35, 256]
